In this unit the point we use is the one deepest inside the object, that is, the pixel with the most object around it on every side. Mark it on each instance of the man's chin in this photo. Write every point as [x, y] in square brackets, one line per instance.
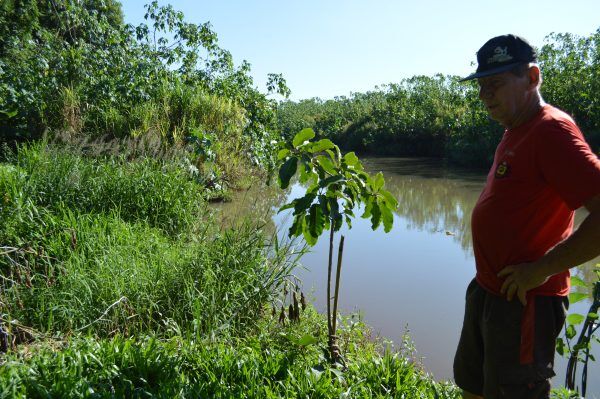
[494, 116]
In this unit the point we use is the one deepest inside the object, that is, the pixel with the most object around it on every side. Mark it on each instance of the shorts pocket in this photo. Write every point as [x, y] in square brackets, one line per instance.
[527, 381]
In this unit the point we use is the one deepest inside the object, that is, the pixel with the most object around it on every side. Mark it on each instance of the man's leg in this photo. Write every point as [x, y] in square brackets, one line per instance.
[519, 346]
[468, 361]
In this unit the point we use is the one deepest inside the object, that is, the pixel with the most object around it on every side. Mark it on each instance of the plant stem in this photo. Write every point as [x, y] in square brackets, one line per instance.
[329, 325]
[337, 284]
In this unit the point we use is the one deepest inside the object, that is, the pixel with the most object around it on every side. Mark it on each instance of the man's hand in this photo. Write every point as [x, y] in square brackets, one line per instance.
[520, 279]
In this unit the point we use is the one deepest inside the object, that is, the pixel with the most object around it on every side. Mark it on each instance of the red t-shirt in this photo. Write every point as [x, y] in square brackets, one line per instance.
[543, 171]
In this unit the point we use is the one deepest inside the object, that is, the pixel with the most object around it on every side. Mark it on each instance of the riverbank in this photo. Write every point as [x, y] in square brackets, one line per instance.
[118, 282]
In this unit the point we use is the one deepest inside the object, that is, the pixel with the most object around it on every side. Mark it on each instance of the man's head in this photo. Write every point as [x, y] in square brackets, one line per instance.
[508, 79]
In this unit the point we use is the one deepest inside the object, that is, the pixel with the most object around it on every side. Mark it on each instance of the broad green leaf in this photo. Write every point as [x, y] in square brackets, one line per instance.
[283, 153]
[378, 181]
[352, 189]
[575, 297]
[576, 281]
[387, 216]
[324, 203]
[351, 197]
[338, 154]
[348, 221]
[331, 180]
[297, 226]
[308, 237]
[327, 164]
[560, 346]
[337, 222]
[581, 346]
[592, 316]
[332, 155]
[351, 159]
[321, 145]
[302, 136]
[306, 340]
[570, 332]
[9, 114]
[286, 171]
[334, 207]
[368, 206]
[375, 216]
[287, 206]
[389, 199]
[314, 186]
[317, 220]
[575, 319]
[307, 173]
[302, 204]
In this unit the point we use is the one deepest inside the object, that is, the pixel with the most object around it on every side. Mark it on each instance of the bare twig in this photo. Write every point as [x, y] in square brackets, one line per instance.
[122, 299]
[337, 283]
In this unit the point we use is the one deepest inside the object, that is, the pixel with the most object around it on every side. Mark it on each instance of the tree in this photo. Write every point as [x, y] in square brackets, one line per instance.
[336, 186]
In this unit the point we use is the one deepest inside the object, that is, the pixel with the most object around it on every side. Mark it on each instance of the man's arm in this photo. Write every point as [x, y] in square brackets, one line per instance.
[581, 246]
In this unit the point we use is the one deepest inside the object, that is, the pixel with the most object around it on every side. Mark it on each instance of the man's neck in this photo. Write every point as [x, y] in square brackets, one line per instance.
[533, 107]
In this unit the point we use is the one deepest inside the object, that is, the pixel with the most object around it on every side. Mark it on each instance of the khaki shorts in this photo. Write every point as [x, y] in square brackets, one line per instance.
[506, 350]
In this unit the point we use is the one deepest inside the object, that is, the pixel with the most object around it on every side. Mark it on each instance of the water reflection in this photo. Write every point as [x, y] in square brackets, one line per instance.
[416, 275]
[436, 204]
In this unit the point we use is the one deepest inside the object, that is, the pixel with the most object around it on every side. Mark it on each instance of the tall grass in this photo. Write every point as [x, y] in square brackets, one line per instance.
[102, 246]
[270, 365]
[149, 190]
[115, 282]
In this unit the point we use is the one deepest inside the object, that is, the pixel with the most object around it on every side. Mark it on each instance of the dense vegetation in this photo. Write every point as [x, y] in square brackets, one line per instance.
[75, 67]
[439, 117]
[117, 282]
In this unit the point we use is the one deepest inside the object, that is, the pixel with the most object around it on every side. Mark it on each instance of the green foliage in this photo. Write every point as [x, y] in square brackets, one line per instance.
[571, 73]
[157, 192]
[439, 117]
[106, 246]
[331, 178]
[266, 365]
[565, 347]
[579, 351]
[118, 80]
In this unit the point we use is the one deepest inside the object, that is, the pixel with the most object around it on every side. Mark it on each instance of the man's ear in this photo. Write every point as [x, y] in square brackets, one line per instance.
[535, 76]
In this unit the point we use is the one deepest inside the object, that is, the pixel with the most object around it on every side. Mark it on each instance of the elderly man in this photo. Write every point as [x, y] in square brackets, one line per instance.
[522, 228]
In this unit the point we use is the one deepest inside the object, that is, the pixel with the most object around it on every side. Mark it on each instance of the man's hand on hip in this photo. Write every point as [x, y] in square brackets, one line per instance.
[520, 279]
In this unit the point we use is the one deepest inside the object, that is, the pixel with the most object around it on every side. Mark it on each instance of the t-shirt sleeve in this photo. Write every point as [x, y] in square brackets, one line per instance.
[567, 163]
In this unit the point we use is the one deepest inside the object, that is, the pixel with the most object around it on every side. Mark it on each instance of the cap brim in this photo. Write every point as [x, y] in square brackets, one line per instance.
[489, 72]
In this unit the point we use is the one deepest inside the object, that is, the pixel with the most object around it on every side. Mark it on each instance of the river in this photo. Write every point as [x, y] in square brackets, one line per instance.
[413, 279]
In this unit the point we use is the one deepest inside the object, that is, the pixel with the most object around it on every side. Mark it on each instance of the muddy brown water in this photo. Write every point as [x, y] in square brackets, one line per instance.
[412, 279]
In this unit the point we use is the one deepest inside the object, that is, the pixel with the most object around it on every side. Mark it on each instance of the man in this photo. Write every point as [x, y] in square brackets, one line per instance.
[522, 228]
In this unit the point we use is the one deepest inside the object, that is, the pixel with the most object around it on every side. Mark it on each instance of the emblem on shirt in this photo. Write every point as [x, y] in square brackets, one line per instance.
[502, 170]
[500, 55]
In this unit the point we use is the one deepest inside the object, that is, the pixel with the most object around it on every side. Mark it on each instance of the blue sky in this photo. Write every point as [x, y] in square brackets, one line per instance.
[330, 48]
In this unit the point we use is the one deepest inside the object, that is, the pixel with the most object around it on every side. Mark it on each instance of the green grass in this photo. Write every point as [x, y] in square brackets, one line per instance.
[78, 259]
[266, 365]
[116, 282]
[153, 191]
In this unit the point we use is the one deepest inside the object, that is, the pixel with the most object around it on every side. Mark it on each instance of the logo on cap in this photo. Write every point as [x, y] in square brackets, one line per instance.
[500, 55]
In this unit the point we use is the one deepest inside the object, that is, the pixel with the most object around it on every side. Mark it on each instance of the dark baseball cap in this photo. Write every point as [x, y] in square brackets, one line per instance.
[501, 54]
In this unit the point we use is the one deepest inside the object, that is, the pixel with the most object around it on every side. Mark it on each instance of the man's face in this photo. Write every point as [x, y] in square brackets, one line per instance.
[504, 96]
